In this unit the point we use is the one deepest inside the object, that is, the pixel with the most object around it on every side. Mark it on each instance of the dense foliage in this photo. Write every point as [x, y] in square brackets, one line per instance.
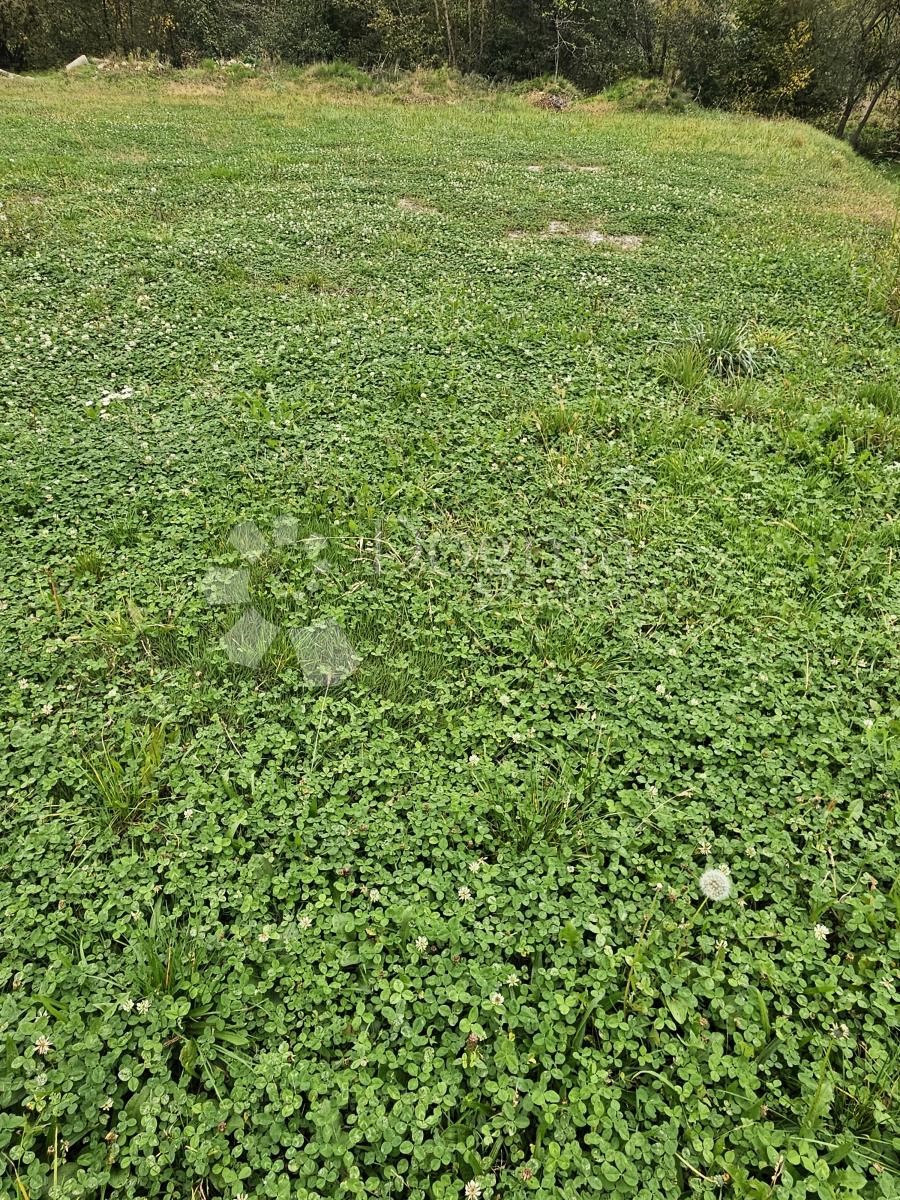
[535, 835]
[835, 60]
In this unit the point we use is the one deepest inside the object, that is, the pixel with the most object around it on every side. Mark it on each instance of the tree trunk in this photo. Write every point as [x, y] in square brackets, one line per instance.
[870, 107]
[852, 101]
[451, 52]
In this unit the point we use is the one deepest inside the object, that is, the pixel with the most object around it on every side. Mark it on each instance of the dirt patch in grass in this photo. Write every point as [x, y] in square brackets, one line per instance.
[624, 241]
[593, 237]
[411, 205]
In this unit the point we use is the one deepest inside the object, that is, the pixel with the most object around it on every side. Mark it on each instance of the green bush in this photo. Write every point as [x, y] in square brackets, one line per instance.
[648, 95]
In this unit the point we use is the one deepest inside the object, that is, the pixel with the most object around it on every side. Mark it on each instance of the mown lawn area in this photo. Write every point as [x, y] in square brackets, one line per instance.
[436, 537]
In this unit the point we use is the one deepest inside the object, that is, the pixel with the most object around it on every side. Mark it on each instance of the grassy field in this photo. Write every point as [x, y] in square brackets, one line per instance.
[438, 536]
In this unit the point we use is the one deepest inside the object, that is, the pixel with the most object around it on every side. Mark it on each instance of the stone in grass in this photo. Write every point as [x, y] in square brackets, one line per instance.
[81, 61]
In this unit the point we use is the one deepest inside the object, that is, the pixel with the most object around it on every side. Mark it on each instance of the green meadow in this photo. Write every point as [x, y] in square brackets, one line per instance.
[449, 611]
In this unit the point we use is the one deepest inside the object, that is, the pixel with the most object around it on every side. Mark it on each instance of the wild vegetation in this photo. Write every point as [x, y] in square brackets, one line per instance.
[836, 62]
[450, 736]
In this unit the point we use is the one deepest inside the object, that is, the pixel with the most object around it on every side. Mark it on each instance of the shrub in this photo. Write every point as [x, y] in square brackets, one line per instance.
[648, 95]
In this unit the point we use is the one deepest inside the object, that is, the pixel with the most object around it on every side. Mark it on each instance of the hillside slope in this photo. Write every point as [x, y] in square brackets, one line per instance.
[437, 536]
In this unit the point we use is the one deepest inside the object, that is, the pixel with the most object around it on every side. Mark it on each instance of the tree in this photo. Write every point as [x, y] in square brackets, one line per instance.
[565, 18]
[859, 51]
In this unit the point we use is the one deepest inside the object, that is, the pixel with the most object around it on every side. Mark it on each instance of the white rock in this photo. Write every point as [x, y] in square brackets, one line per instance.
[81, 61]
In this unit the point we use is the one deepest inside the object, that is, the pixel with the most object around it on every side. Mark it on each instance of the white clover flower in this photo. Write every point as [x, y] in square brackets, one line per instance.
[472, 1190]
[715, 884]
[476, 865]
[43, 1045]
[464, 893]
[421, 944]
[304, 922]
[497, 999]
[143, 1006]
[821, 932]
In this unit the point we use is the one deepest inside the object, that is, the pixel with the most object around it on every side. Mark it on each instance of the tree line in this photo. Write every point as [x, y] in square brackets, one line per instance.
[837, 60]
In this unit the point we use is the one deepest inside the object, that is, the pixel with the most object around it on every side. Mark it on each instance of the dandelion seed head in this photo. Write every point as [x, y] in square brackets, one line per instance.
[715, 884]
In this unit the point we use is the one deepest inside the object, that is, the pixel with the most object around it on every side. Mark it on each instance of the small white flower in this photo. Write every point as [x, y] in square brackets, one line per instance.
[704, 848]
[660, 689]
[143, 1006]
[497, 999]
[821, 932]
[43, 1045]
[188, 813]
[476, 865]
[304, 922]
[715, 884]
[421, 944]
[107, 1104]
[512, 980]
[472, 1190]
[126, 1004]
[374, 894]
[464, 893]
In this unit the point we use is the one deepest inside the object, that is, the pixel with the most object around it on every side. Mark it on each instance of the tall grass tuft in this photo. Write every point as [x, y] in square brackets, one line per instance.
[127, 783]
[727, 348]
